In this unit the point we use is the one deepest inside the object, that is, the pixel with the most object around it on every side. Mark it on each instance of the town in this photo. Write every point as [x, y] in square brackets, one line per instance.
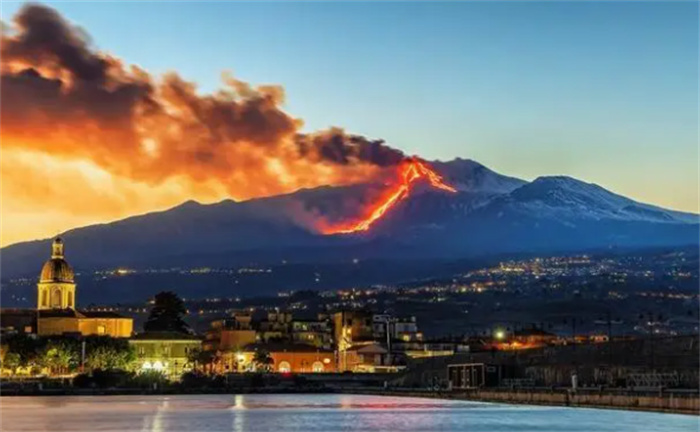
[374, 331]
[349, 216]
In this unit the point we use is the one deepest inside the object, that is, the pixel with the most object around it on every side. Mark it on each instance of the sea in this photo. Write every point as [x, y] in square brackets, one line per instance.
[315, 412]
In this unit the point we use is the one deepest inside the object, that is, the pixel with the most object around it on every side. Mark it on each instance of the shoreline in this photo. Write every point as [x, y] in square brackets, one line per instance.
[691, 406]
[687, 403]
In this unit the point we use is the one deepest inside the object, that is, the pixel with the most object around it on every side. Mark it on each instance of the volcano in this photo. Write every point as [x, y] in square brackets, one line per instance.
[438, 210]
[409, 173]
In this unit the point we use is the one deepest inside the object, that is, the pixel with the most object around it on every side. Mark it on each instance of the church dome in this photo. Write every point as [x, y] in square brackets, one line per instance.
[57, 268]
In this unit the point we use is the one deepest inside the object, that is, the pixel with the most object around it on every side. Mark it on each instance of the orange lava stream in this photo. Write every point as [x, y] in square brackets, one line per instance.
[410, 171]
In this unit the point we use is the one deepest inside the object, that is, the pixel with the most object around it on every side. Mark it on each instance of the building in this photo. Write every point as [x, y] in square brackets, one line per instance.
[166, 352]
[56, 287]
[403, 329]
[13, 321]
[84, 323]
[226, 340]
[365, 357]
[354, 330]
[230, 334]
[352, 326]
[275, 327]
[316, 332]
[290, 358]
[56, 312]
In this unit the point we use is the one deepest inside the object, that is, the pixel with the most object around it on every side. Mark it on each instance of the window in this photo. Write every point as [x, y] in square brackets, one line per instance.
[44, 298]
[101, 329]
[56, 299]
[142, 350]
[285, 367]
[317, 366]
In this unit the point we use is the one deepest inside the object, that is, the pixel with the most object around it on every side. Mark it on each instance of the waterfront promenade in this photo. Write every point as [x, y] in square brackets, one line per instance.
[678, 401]
[670, 401]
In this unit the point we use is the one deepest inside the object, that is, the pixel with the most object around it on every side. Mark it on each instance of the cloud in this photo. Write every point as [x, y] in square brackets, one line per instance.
[63, 97]
[66, 100]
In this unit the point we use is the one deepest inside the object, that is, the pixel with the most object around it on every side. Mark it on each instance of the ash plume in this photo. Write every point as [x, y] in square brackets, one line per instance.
[63, 97]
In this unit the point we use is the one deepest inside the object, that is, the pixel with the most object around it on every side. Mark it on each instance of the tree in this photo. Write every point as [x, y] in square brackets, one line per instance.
[106, 353]
[11, 361]
[202, 360]
[60, 356]
[262, 360]
[167, 314]
[26, 348]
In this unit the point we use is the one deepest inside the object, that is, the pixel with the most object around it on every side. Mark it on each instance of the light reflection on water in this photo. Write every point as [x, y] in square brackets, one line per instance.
[246, 413]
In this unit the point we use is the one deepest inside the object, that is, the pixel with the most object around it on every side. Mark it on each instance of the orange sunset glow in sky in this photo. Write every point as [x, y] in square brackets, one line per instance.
[91, 135]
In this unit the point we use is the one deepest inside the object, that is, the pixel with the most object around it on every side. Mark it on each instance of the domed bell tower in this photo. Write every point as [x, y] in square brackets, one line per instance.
[56, 287]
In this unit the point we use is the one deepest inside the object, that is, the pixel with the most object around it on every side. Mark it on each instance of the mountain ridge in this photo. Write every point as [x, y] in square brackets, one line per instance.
[490, 213]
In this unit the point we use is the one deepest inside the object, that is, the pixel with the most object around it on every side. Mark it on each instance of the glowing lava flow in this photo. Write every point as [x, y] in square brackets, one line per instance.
[410, 171]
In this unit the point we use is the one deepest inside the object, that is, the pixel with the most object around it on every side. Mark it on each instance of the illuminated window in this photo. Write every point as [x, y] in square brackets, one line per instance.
[56, 299]
[285, 367]
[317, 366]
[101, 330]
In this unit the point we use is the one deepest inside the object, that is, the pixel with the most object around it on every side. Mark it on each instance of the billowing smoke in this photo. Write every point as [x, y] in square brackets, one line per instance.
[62, 97]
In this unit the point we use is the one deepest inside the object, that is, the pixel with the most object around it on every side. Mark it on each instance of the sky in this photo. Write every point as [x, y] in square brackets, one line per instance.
[606, 92]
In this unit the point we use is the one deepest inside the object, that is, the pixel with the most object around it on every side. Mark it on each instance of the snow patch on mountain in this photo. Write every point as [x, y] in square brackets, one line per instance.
[569, 199]
[470, 176]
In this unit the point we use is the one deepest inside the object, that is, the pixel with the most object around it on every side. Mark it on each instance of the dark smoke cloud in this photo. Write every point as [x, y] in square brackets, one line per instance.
[338, 147]
[44, 37]
[63, 97]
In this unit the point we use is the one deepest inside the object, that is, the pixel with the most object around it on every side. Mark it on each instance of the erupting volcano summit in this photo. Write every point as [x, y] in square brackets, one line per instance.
[409, 172]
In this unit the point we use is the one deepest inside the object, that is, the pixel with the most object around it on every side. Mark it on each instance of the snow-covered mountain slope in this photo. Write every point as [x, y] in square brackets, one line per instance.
[470, 176]
[568, 199]
[490, 213]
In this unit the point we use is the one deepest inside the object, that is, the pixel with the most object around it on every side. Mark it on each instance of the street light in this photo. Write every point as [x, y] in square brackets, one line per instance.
[500, 334]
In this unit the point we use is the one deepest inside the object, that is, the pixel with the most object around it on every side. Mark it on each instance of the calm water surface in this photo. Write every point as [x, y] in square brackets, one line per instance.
[323, 413]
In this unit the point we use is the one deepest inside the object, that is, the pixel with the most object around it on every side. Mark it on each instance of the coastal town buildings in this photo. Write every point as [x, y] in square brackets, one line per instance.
[166, 352]
[289, 358]
[230, 334]
[56, 312]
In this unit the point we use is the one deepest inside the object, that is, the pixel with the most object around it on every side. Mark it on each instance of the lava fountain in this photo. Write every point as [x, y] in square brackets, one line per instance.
[409, 172]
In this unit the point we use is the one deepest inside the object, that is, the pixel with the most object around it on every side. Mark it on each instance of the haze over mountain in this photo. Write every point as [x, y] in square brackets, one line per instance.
[490, 213]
